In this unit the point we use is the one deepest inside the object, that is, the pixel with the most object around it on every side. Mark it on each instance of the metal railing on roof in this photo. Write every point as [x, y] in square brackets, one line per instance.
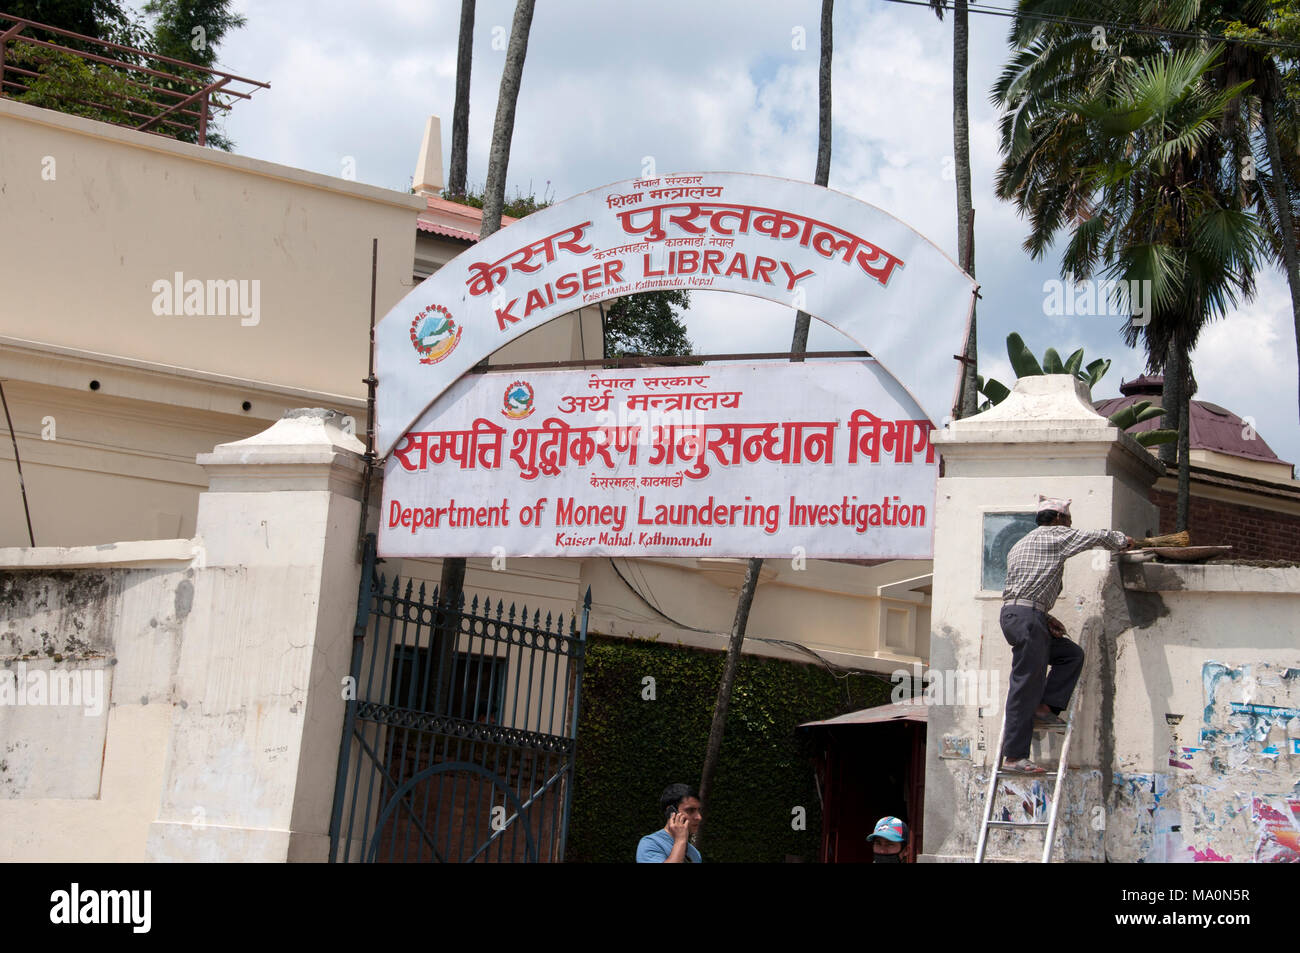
[176, 102]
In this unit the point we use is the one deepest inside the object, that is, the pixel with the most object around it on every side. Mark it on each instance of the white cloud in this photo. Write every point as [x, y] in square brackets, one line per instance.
[714, 86]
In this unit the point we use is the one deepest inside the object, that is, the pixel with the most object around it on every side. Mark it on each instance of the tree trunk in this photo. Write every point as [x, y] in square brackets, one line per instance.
[460, 117]
[452, 583]
[803, 320]
[1184, 460]
[1177, 404]
[1171, 399]
[965, 214]
[1283, 203]
[728, 677]
[494, 191]
[798, 346]
[824, 96]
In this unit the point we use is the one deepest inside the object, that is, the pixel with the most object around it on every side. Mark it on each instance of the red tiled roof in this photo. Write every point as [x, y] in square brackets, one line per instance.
[446, 231]
[453, 220]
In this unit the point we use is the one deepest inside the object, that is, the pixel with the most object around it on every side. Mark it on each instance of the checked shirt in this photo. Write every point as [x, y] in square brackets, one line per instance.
[1036, 563]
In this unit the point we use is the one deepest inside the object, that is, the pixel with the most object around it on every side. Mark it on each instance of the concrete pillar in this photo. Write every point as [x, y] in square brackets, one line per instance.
[1044, 438]
[258, 713]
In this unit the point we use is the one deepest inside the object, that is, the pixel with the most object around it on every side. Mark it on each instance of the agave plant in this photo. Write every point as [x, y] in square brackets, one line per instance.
[1025, 364]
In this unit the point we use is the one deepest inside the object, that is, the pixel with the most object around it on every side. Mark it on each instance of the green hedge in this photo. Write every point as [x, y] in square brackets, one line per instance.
[630, 749]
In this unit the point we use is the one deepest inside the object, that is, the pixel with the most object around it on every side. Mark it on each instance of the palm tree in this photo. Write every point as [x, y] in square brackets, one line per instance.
[452, 583]
[961, 169]
[494, 191]
[803, 321]
[1121, 151]
[459, 165]
[1253, 125]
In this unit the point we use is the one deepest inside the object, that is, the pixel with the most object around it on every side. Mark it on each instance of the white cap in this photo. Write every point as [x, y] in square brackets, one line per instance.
[1047, 504]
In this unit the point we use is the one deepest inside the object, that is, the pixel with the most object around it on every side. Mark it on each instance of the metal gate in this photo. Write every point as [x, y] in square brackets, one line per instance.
[458, 740]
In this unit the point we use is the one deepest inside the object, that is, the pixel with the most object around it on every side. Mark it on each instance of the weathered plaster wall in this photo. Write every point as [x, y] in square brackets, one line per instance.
[88, 661]
[1046, 438]
[1187, 738]
[1186, 745]
[254, 737]
[1206, 724]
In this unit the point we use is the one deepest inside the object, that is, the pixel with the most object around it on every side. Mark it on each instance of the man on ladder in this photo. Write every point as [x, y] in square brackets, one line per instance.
[1035, 566]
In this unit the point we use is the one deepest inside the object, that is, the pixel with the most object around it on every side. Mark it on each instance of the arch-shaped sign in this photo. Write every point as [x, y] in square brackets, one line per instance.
[845, 262]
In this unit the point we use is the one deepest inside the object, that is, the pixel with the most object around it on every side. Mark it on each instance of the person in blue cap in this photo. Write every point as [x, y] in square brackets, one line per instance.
[888, 840]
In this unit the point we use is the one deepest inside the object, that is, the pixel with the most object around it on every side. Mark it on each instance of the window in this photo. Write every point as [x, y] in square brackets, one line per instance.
[1001, 532]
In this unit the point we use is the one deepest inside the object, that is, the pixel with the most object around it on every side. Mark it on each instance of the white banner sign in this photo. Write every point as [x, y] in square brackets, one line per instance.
[844, 261]
[777, 460]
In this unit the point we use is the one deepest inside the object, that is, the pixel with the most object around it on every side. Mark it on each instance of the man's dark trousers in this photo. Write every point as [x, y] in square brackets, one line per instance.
[1033, 647]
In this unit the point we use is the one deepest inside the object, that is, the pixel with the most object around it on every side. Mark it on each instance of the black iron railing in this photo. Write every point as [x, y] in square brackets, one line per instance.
[460, 732]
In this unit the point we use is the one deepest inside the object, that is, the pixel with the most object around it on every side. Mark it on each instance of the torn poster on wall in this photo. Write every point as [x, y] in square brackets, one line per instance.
[1251, 715]
[1278, 823]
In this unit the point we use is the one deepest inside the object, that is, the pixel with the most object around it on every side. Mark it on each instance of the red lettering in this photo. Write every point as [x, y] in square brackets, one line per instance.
[613, 272]
[648, 272]
[568, 286]
[712, 259]
[763, 268]
[504, 315]
[535, 301]
[406, 517]
[591, 278]
[738, 266]
[792, 276]
[394, 513]
[687, 262]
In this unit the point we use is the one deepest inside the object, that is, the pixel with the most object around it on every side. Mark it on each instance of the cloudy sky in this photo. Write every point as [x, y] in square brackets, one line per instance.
[722, 85]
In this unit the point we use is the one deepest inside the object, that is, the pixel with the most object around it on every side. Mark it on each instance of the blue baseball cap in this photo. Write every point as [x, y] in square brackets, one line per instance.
[891, 829]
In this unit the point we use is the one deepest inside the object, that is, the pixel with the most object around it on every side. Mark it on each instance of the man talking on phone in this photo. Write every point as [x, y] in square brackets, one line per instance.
[680, 804]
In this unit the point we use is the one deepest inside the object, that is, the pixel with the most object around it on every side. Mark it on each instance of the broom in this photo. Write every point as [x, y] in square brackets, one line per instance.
[1173, 539]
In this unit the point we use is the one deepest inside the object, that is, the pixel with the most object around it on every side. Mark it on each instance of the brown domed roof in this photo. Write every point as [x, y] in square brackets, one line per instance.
[1149, 384]
[1212, 427]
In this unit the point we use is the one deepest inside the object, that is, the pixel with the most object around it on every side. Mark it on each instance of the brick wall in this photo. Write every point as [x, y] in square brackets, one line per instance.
[1253, 533]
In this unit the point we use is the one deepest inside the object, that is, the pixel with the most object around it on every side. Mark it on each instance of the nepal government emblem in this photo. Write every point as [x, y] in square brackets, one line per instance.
[434, 334]
[518, 400]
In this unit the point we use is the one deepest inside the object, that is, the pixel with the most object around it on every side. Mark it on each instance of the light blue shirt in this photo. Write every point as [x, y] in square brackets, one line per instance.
[655, 848]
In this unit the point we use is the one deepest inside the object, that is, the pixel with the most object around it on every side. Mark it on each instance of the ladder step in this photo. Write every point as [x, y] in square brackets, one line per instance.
[1055, 730]
[1047, 775]
[1017, 823]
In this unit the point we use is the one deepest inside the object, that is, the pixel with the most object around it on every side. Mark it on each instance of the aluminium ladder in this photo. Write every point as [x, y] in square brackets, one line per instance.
[1057, 777]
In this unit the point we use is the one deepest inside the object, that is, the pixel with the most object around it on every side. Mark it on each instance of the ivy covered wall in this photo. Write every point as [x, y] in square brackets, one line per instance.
[631, 746]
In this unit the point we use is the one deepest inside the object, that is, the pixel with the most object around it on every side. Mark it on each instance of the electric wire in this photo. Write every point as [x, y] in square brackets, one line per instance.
[1006, 13]
[837, 671]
